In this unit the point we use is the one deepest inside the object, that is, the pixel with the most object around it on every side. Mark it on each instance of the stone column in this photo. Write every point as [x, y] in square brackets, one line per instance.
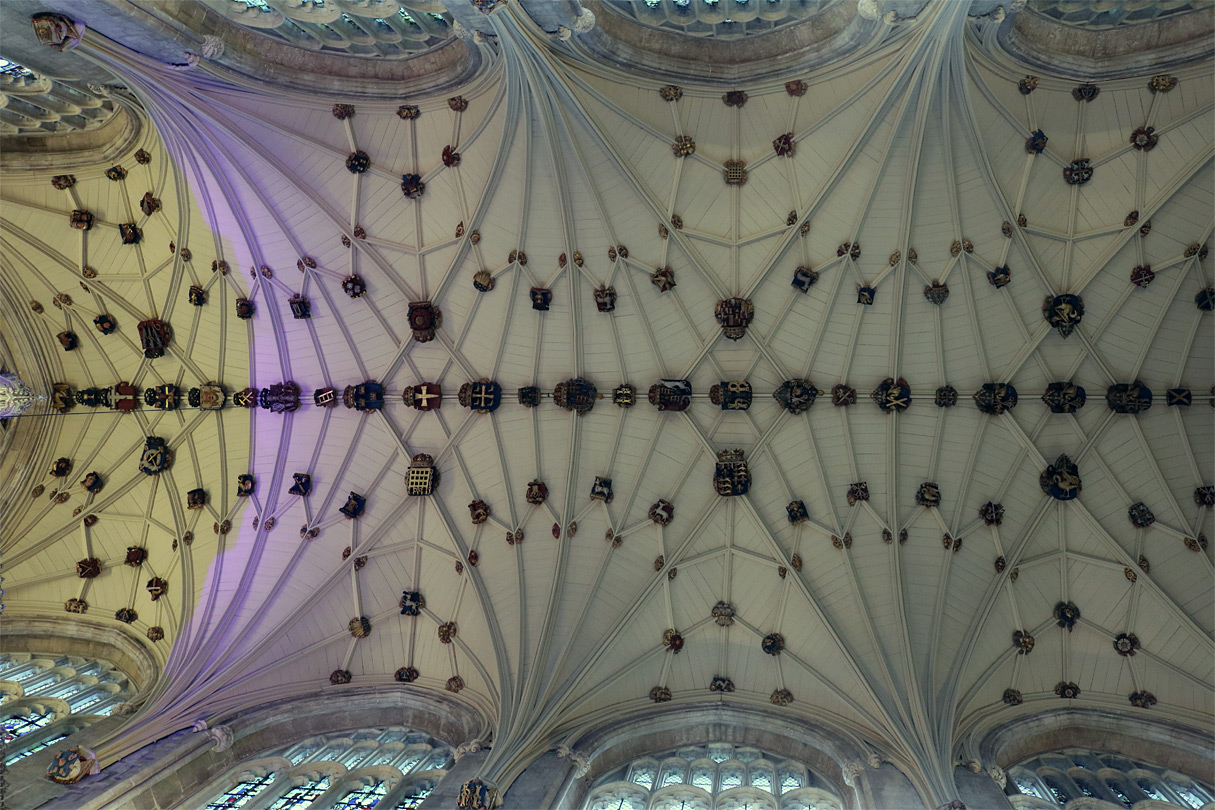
[979, 791]
[882, 787]
[444, 796]
[537, 787]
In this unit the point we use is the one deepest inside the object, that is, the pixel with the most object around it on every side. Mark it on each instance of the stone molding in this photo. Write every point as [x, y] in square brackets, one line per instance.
[63, 152]
[614, 743]
[581, 762]
[1163, 743]
[80, 635]
[673, 56]
[1078, 52]
[195, 765]
[265, 61]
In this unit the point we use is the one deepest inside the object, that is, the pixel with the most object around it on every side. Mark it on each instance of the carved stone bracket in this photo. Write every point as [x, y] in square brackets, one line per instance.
[581, 762]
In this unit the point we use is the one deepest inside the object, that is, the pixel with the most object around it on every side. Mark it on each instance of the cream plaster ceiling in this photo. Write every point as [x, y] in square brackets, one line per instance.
[912, 144]
[44, 258]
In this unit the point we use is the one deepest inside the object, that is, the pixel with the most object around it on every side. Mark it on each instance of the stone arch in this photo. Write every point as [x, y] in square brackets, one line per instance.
[824, 751]
[198, 767]
[83, 637]
[1165, 743]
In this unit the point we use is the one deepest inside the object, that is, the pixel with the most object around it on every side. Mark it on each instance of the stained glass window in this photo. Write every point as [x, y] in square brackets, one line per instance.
[746, 802]
[241, 793]
[1095, 772]
[762, 779]
[8, 68]
[1150, 789]
[33, 749]
[672, 776]
[301, 796]
[798, 804]
[1117, 790]
[681, 800]
[617, 800]
[19, 726]
[414, 797]
[421, 761]
[702, 778]
[1027, 786]
[82, 702]
[89, 687]
[1056, 790]
[1187, 795]
[713, 775]
[643, 776]
[362, 798]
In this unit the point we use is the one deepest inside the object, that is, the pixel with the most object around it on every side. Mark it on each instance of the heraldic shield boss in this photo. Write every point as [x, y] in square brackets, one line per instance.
[732, 477]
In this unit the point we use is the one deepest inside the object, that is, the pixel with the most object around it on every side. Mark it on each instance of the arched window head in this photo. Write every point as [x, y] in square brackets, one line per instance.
[703, 775]
[1086, 787]
[47, 698]
[362, 798]
[1057, 791]
[241, 793]
[681, 798]
[620, 798]
[714, 776]
[1119, 791]
[8, 68]
[731, 775]
[20, 725]
[674, 772]
[746, 799]
[356, 765]
[761, 776]
[1149, 787]
[414, 792]
[791, 780]
[300, 796]
[1187, 793]
[644, 774]
[1028, 785]
[1104, 776]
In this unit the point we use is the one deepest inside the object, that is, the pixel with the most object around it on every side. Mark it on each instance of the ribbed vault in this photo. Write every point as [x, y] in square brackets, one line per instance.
[908, 170]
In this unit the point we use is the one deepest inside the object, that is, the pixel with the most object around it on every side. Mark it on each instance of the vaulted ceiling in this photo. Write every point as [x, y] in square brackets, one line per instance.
[897, 618]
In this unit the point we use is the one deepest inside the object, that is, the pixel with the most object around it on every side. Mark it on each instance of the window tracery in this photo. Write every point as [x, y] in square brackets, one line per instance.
[353, 27]
[241, 793]
[45, 699]
[13, 69]
[1113, 15]
[715, 776]
[384, 768]
[1060, 777]
[363, 798]
[301, 796]
[31, 103]
[722, 19]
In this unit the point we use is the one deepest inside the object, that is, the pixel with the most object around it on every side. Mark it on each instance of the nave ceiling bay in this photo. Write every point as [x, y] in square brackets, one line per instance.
[895, 612]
